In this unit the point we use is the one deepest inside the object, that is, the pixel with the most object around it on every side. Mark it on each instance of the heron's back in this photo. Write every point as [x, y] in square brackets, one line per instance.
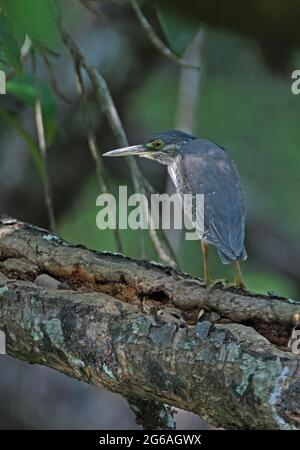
[205, 168]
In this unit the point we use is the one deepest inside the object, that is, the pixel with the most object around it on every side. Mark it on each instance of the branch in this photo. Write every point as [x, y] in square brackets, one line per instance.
[93, 144]
[41, 139]
[189, 87]
[157, 42]
[99, 14]
[105, 100]
[132, 327]
[52, 78]
[46, 179]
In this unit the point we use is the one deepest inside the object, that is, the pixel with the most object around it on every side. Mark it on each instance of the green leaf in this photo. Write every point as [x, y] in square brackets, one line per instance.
[34, 150]
[25, 89]
[36, 18]
[9, 45]
[179, 33]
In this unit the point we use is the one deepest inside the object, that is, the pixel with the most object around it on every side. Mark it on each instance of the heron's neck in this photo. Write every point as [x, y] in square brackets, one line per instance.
[175, 171]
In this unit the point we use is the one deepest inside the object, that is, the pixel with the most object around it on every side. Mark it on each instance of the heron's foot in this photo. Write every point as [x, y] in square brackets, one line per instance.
[240, 284]
[220, 282]
[206, 280]
[206, 283]
[236, 284]
[238, 281]
[223, 283]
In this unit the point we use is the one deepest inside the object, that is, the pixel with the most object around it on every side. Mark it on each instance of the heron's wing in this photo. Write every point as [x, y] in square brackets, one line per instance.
[211, 172]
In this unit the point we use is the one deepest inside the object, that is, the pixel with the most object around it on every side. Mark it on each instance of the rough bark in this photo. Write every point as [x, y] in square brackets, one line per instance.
[148, 331]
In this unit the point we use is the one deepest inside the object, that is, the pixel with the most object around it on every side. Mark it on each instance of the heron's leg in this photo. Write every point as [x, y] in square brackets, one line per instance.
[204, 248]
[238, 277]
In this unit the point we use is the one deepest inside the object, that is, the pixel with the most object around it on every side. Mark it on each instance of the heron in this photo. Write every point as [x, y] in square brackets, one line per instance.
[199, 166]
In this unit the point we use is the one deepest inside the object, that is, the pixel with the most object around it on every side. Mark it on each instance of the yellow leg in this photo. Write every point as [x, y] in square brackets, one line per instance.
[238, 278]
[204, 248]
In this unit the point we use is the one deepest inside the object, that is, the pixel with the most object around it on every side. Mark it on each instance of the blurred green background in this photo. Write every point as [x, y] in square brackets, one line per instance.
[241, 100]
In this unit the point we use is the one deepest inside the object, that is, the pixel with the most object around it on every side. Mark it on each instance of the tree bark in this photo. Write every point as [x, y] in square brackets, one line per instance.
[148, 331]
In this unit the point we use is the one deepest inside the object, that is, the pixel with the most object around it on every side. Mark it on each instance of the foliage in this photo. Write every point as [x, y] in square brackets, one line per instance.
[26, 89]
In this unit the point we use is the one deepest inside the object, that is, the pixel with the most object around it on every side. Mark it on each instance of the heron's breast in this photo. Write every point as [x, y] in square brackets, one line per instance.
[176, 174]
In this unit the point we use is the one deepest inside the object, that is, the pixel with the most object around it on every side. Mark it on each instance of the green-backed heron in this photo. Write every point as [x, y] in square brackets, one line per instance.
[198, 166]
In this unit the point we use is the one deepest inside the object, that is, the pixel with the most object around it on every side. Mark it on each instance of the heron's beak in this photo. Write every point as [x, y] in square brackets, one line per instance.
[134, 150]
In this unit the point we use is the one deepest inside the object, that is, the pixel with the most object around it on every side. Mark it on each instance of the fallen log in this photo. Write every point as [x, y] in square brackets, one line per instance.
[149, 332]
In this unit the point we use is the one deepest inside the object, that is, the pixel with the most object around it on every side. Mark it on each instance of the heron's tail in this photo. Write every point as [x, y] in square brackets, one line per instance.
[228, 259]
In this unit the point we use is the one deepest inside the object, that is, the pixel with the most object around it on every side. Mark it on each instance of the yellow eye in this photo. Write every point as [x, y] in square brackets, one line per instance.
[158, 144]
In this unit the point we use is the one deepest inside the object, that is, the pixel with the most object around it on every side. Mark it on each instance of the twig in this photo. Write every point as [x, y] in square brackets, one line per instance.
[157, 42]
[43, 149]
[105, 100]
[51, 52]
[94, 11]
[93, 145]
[39, 123]
[187, 101]
[53, 80]
[189, 86]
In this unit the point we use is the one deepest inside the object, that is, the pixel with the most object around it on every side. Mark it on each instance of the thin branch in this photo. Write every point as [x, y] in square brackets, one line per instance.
[105, 100]
[53, 80]
[189, 86]
[51, 52]
[157, 42]
[91, 9]
[43, 149]
[187, 102]
[92, 141]
[108, 106]
[39, 124]
[93, 145]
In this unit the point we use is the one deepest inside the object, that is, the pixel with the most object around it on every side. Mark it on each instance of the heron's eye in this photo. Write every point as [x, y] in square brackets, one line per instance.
[158, 144]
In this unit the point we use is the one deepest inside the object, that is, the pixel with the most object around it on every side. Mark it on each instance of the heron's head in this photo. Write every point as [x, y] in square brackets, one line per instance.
[163, 147]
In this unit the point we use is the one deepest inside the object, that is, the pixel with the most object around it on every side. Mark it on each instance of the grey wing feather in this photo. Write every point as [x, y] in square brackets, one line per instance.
[210, 171]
